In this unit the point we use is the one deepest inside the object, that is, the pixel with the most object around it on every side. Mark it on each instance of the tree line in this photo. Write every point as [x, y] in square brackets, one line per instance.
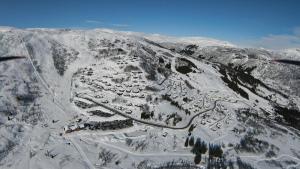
[200, 147]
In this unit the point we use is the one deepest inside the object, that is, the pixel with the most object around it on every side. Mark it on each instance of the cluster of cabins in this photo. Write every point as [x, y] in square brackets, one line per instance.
[119, 62]
[88, 71]
[193, 104]
[105, 84]
[134, 58]
[132, 88]
[180, 90]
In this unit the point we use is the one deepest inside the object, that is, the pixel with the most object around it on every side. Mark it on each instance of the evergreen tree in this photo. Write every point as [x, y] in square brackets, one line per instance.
[210, 150]
[197, 158]
[197, 146]
[230, 164]
[215, 151]
[219, 151]
[186, 144]
[192, 127]
[203, 147]
[192, 142]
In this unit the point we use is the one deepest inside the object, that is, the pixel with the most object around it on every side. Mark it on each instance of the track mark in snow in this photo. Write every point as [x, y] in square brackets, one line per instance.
[82, 154]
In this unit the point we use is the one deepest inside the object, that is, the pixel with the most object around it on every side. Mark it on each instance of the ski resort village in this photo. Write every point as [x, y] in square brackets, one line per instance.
[122, 100]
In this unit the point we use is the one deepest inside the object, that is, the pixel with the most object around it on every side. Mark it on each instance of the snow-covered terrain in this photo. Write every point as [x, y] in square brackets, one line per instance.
[107, 99]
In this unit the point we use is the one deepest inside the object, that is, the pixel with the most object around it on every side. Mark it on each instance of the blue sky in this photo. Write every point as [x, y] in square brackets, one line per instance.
[259, 23]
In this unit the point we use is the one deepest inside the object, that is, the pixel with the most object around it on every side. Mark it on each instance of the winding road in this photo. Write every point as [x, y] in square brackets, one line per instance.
[89, 98]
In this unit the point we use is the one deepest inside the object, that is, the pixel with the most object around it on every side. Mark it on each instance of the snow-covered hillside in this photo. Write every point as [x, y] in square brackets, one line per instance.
[107, 99]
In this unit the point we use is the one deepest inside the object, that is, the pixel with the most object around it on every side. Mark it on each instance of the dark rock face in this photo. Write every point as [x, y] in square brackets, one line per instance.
[241, 76]
[149, 50]
[184, 66]
[150, 69]
[291, 116]
[62, 56]
[189, 50]
[232, 82]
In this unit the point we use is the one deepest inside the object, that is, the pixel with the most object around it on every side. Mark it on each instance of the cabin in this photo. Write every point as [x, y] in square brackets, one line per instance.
[135, 90]
[98, 96]
[203, 122]
[104, 101]
[74, 127]
[67, 129]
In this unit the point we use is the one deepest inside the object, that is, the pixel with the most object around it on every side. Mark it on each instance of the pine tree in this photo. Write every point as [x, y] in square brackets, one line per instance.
[192, 128]
[215, 151]
[196, 148]
[219, 151]
[186, 144]
[212, 151]
[192, 142]
[203, 147]
[197, 158]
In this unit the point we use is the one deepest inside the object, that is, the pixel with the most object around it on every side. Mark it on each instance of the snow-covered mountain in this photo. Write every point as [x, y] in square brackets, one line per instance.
[108, 99]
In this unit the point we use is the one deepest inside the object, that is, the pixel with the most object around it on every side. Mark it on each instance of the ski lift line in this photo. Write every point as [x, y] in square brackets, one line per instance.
[35, 70]
[82, 154]
[41, 79]
[57, 103]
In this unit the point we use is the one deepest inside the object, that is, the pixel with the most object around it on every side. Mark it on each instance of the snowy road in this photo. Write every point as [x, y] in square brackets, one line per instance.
[151, 123]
